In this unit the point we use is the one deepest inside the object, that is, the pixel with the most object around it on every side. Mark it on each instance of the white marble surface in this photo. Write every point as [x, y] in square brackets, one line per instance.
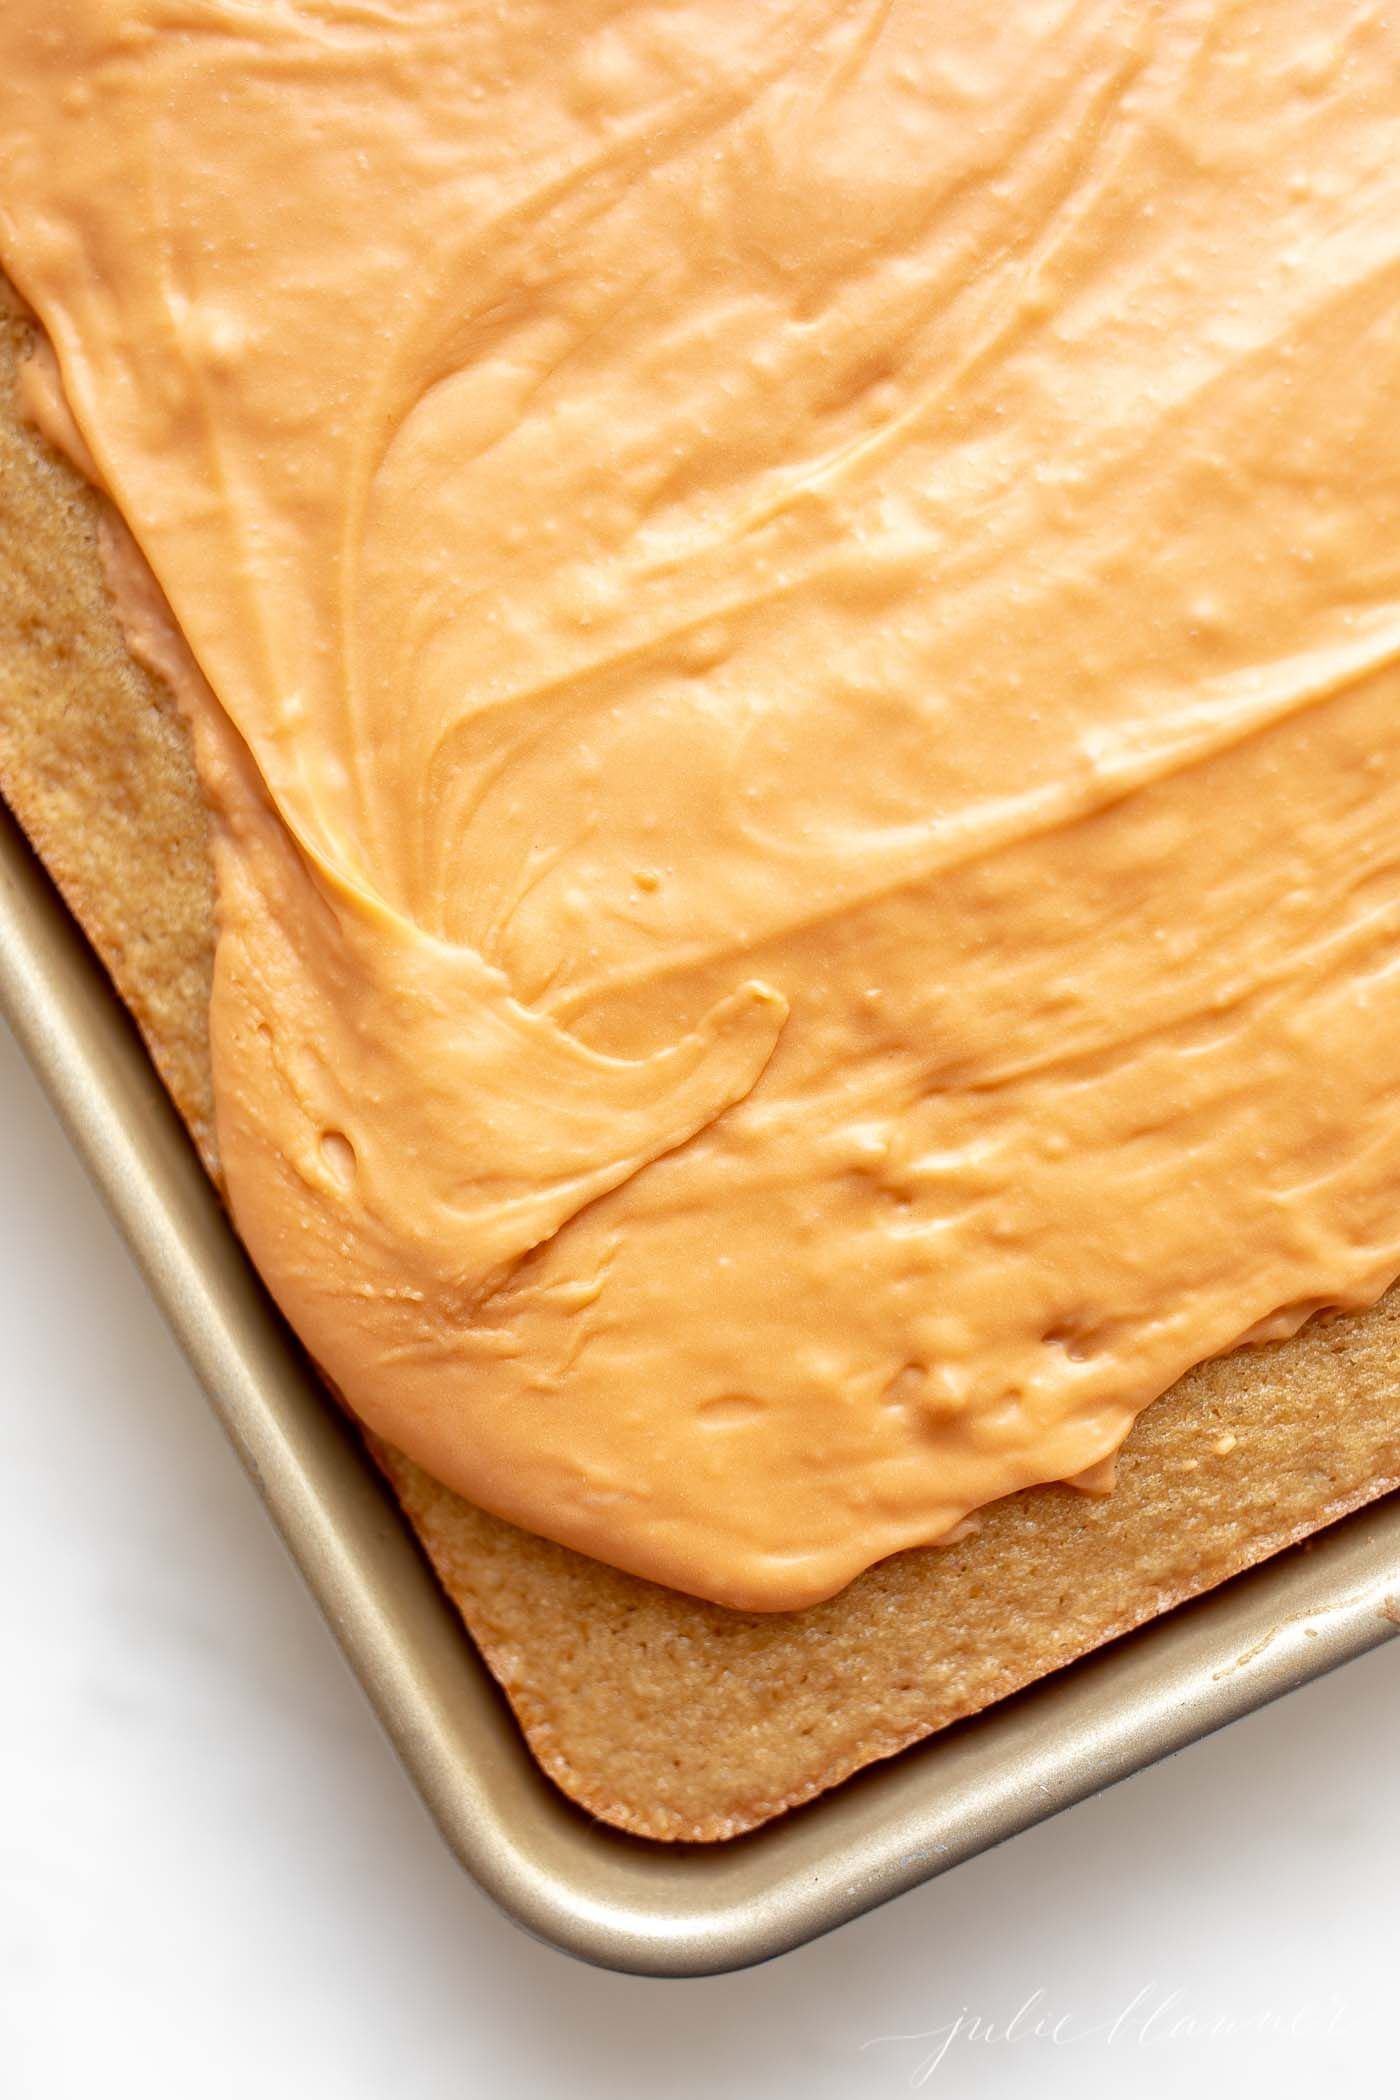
[214, 1879]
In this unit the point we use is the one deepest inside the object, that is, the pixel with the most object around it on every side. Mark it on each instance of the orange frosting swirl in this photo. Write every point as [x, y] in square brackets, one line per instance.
[791, 614]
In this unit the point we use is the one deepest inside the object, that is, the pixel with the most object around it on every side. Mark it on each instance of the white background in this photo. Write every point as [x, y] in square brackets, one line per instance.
[215, 1880]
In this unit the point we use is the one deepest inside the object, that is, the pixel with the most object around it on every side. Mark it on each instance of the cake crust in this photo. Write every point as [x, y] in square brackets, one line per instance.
[667, 1716]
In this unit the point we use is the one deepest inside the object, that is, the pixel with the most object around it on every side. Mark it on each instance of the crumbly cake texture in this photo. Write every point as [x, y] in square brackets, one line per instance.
[665, 1715]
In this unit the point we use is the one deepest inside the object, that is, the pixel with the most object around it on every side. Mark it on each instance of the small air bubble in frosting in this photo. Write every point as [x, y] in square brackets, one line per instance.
[339, 1156]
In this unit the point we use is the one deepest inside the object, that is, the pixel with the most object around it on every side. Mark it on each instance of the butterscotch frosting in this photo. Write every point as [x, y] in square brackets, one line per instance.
[791, 620]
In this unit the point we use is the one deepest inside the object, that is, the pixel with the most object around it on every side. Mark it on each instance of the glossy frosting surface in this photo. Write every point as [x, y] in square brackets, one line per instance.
[792, 618]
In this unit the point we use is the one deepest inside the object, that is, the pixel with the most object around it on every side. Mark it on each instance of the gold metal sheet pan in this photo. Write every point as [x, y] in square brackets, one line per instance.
[624, 1903]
